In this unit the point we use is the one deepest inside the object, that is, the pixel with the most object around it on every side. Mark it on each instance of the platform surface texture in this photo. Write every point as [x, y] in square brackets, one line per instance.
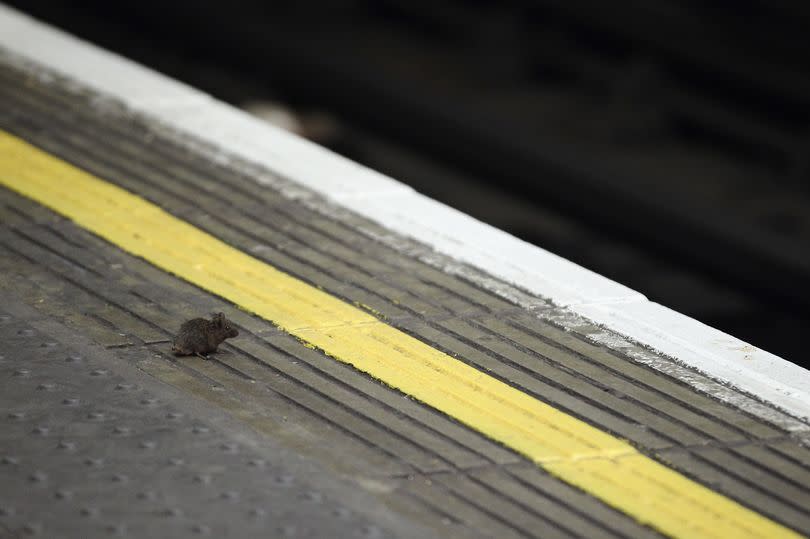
[401, 369]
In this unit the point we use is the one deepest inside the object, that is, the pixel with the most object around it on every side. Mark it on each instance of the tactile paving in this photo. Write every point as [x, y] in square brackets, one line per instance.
[86, 451]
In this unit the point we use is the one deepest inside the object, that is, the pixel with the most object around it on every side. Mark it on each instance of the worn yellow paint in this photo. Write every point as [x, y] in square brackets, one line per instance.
[597, 462]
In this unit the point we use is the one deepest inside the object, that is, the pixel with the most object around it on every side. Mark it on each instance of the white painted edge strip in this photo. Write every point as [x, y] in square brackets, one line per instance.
[400, 209]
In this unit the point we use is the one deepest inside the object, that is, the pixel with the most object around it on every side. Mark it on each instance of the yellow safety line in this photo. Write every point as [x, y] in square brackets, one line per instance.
[597, 462]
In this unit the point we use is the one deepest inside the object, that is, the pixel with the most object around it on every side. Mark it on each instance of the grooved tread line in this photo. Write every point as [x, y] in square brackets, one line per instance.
[662, 385]
[789, 492]
[619, 406]
[567, 447]
[560, 396]
[483, 493]
[639, 399]
[500, 514]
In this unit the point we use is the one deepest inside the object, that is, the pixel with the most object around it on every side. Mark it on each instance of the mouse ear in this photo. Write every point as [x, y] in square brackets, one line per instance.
[218, 319]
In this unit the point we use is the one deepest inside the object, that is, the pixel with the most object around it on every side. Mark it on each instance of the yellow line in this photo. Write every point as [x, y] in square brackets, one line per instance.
[568, 448]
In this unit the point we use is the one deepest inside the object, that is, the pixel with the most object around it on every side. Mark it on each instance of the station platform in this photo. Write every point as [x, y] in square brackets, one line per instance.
[386, 381]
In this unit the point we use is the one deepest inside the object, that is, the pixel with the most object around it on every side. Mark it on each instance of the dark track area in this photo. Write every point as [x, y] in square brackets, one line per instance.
[662, 144]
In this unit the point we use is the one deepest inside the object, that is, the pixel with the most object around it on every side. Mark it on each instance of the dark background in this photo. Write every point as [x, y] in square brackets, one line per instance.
[664, 144]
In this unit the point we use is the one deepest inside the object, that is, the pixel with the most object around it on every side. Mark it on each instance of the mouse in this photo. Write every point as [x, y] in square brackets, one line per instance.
[201, 337]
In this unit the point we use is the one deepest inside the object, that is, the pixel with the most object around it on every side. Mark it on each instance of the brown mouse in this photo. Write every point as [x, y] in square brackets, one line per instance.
[202, 337]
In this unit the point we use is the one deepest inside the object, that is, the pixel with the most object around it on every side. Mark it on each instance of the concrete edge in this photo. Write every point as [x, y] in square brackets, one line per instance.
[402, 210]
